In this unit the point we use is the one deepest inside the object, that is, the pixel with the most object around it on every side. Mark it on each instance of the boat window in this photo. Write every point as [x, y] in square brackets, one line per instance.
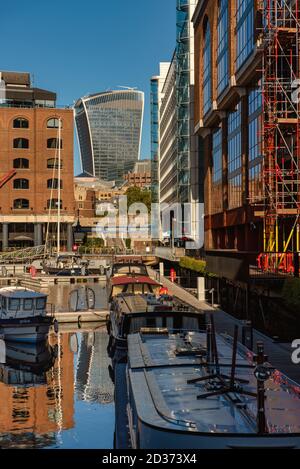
[40, 303]
[3, 302]
[28, 304]
[14, 304]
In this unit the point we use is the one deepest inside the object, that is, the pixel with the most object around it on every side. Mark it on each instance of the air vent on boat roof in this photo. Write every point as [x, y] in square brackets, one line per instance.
[154, 330]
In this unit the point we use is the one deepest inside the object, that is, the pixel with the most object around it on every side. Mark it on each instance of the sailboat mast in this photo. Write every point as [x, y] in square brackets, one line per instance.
[59, 186]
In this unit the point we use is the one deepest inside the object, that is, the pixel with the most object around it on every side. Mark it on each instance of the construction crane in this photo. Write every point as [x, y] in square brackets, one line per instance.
[281, 135]
[7, 177]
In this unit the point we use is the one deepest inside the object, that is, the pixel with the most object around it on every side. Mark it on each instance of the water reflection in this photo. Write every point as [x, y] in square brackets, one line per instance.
[47, 393]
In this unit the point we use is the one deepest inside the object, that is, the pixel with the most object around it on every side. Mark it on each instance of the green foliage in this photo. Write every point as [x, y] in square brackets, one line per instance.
[94, 243]
[138, 195]
[291, 292]
[193, 264]
[128, 243]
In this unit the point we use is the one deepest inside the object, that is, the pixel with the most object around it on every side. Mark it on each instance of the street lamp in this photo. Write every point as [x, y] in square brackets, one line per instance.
[173, 233]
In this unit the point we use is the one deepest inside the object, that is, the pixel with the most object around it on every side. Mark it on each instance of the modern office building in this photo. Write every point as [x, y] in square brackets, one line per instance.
[246, 58]
[109, 129]
[168, 139]
[29, 183]
[156, 85]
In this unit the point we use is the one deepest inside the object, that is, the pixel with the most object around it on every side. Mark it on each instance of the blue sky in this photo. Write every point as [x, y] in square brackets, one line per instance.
[78, 47]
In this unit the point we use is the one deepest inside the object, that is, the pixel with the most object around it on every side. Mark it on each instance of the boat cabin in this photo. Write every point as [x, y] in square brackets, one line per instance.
[17, 303]
[133, 313]
[140, 285]
[128, 268]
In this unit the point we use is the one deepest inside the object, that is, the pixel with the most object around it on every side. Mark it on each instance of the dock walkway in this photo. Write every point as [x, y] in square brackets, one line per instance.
[279, 354]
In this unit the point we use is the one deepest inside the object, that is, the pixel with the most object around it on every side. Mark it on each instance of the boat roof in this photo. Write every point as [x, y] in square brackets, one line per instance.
[160, 367]
[20, 292]
[126, 280]
[139, 304]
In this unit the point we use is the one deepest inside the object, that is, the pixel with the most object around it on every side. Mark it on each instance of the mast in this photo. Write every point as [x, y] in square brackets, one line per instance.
[59, 185]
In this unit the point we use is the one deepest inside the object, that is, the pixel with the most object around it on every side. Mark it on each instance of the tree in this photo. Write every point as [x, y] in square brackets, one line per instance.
[137, 195]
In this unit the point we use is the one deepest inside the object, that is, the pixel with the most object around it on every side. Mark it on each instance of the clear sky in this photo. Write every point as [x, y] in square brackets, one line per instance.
[77, 47]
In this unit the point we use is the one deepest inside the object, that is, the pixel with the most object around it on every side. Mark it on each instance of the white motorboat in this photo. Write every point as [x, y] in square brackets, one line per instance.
[23, 315]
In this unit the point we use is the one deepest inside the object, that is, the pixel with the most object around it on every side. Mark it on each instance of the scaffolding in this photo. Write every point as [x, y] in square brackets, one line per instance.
[281, 133]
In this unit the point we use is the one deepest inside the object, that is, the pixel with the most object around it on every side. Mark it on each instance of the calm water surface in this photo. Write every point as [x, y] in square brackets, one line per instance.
[59, 395]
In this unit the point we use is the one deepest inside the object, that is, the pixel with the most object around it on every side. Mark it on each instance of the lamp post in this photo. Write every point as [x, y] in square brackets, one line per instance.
[173, 233]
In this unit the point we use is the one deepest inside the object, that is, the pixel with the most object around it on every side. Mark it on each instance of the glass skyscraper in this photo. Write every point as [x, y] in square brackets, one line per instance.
[109, 129]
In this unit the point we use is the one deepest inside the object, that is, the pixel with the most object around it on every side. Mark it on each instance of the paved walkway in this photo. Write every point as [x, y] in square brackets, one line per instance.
[279, 354]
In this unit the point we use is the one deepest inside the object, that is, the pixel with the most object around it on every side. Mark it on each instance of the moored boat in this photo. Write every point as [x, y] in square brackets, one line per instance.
[130, 313]
[197, 390]
[133, 285]
[23, 315]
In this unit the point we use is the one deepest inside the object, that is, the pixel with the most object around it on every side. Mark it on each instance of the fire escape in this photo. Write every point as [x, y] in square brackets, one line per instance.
[281, 135]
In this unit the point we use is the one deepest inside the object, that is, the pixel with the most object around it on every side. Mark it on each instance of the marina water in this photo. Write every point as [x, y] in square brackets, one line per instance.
[67, 399]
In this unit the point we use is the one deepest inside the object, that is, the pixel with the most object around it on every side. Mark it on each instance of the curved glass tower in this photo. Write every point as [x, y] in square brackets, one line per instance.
[109, 129]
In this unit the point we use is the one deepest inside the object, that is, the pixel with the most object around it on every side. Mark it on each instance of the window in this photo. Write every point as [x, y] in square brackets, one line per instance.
[21, 184]
[255, 146]
[235, 158]
[53, 123]
[217, 172]
[21, 204]
[27, 304]
[21, 163]
[53, 204]
[222, 59]
[21, 143]
[53, 183]
[20, 123]
[53, 143]
[40, 303]
[52, 163]
[207, 69]
[244, 30]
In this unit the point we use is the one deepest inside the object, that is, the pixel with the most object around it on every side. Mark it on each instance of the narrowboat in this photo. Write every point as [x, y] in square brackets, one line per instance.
[130, 313]
[198, 390]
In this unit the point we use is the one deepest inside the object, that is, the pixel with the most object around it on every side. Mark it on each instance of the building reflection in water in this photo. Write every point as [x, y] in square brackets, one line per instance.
[36, 393]
[92, 382]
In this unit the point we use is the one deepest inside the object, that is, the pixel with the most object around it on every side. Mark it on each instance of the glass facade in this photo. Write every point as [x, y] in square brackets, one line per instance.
[255, 145]
[235, 158]
[222, 58]
[154, 140]
[183, 99]
[109, 127]
[244, 30]
[207, 69]
[217, 172]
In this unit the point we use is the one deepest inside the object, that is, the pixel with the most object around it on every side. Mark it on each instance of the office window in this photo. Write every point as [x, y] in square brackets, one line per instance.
[52, 163]
[54, 204]
[217, 172]
[222, 59]
[54, 183]
[255, 146]
[207, 69]
[244, 30]
[235, 158]
[21, 123]
[21, 204]
[21, 184]
[21, 143]
[21, 163]
[53, 143]
[53, 123]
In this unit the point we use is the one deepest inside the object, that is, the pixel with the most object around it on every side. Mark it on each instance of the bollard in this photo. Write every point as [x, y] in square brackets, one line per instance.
[201, 288]
[247, 334]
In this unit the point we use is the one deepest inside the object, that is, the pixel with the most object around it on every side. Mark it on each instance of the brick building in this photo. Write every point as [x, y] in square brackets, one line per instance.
[29, 121]
[228, 117]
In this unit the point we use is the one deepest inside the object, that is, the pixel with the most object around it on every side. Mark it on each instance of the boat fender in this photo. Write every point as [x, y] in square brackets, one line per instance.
[79, 321]
[55, 324]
